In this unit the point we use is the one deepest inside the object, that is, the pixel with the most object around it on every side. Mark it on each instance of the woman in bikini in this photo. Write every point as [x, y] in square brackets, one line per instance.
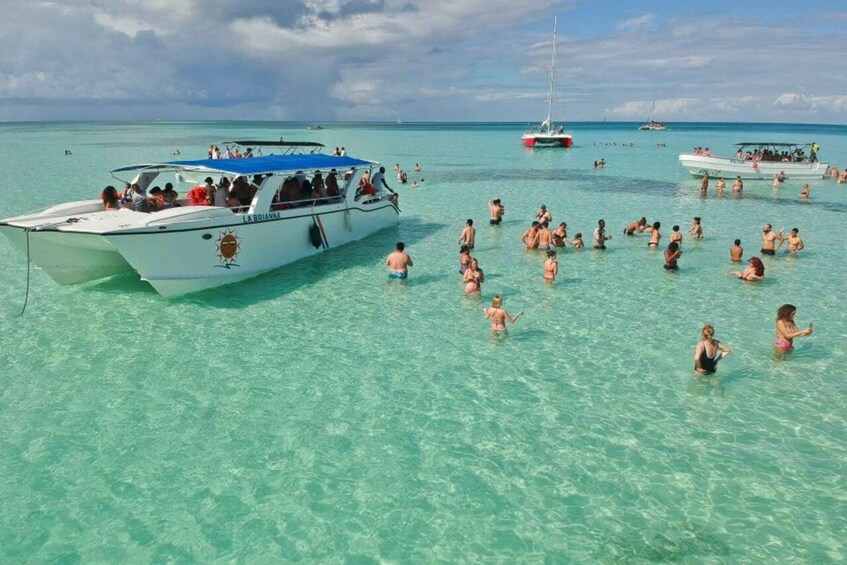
[498, 316]
[473, 278]
[706, 354]
[786, 329]
[655, 236]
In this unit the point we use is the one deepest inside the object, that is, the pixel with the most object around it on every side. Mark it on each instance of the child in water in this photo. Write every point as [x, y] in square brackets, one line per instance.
[577, 241]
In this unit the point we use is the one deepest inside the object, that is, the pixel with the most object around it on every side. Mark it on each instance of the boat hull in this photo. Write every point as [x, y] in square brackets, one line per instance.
[68, 258]
[218, 255]
[553, 140]
[699, 165]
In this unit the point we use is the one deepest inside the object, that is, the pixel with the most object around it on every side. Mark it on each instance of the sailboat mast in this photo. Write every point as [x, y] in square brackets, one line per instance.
[552, 78]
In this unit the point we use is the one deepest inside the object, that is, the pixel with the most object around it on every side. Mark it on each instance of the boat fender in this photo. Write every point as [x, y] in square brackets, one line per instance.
[315, 235]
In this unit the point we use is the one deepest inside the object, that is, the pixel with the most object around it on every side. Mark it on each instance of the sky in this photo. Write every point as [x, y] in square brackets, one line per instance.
[423, 60]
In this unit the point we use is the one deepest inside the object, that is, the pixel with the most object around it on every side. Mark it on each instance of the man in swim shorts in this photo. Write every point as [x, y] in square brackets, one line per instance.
[769, 238]
[495, 210]
[398, 262]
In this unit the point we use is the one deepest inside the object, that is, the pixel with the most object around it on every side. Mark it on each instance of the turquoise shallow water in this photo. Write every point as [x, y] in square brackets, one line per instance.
[320, 413]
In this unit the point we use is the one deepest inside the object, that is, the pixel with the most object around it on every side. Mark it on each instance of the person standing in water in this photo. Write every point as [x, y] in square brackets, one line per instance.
[676, 236]
[738, 184]
[795, 242]
[468, 235]
[805, 192]
[600, 237]
[720, 186]
[545, 236]
[530, 237]
[498, 316]
[551, 267]
[495, 210]
[473, 278]
[786, 329]
[704, 185]
[464, 259]
[736, 251]
[398, 262]
[672, 254]
[708, 352]
[769, 237]
[696, 228]
[655, 235]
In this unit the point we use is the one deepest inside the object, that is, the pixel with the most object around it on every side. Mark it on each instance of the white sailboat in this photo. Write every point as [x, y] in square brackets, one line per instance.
[548, 134]
[653, 125]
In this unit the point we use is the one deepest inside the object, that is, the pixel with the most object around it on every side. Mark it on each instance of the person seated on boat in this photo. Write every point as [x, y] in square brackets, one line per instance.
[236, 154]
[332, 184]
[170, 196]
[110, 199]
[248, 153]
[232, 200]
[299, 178]
[156, 199]
[199, 194]
[318, 185]
[365, 187]
[139, 201]
[738, 154]
[707, 153]
[221, 192]
[316, 193]
[748, 156]
[348, 175]
[242, 190]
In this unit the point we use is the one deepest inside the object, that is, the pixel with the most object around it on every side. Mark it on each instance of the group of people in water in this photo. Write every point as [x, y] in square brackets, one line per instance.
[539, 236]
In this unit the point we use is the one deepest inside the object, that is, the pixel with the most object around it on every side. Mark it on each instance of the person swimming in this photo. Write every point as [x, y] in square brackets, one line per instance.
[755, 271]
[498, 316]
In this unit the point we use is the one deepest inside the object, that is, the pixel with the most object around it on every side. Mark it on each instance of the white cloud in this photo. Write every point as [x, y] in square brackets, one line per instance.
[639, 23]
[811, 102]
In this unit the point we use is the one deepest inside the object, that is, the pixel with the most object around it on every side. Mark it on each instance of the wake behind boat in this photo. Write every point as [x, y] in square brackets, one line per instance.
[758, 160]
[191, 247]
[548, 134]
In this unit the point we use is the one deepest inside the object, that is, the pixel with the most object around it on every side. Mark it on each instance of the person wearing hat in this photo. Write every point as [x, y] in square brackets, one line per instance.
[543, 215]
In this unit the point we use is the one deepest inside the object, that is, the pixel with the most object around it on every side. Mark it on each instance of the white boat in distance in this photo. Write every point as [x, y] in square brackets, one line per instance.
[757, 160]
[653, 125]
[548, 134]
[189, 248]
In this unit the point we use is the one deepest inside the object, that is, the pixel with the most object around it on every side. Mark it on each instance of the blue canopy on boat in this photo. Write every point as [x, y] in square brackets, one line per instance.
[257, 165]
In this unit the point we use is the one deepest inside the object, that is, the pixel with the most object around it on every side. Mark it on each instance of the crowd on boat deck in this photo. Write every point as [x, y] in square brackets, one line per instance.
[798, 155]
[234, 153]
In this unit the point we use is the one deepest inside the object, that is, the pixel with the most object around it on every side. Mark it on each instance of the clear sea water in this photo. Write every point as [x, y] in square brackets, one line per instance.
[320, 413]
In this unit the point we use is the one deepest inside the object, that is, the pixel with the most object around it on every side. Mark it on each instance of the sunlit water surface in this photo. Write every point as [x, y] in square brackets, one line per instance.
[321, 413]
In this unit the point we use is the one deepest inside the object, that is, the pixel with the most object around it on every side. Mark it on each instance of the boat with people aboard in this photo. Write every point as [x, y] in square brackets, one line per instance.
[281, 208]
[549, 134]
[652, 125]
[758, 160]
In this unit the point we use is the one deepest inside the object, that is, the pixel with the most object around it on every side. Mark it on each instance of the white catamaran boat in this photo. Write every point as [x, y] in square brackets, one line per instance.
[548, 134]
[653, 125]
[758, 160]
[189, 247]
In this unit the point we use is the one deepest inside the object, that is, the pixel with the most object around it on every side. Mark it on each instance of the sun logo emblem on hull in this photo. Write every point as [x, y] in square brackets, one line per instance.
[228, 247]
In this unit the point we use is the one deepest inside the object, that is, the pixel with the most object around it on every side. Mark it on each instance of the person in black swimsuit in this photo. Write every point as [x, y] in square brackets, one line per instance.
[706, 355]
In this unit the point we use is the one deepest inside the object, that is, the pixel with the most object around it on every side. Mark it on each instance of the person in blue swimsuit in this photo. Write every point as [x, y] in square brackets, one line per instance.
[398, 262]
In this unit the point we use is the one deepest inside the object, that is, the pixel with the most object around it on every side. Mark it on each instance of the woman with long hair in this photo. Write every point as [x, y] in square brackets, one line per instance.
[709, 351]
[473, 278]
[755, 271]
[110, 199]
[786, 329]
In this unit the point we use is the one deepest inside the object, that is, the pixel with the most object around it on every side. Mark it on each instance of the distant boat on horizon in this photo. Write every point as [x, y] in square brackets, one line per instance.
[314, 126]
[548, 134]
[653, 125]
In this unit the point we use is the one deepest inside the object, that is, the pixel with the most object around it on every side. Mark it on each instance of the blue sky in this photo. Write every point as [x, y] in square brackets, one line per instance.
[422, 60]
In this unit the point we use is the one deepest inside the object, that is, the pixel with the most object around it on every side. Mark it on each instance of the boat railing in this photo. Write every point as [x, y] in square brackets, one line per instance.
[286, 204]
